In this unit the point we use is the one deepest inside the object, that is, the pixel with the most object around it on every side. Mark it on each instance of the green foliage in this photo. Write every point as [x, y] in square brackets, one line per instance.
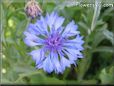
[107, 77]
[96, 24]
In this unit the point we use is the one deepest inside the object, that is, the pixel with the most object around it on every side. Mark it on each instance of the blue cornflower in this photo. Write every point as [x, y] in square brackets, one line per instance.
[59, 46]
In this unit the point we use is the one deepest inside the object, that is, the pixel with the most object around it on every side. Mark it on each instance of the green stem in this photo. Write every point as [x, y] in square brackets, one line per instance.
[96, 15]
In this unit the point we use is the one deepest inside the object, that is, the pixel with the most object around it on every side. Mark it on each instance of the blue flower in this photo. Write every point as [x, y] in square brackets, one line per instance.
[59, 46]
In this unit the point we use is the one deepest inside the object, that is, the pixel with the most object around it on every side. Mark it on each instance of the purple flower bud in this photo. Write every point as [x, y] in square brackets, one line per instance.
[32, 9]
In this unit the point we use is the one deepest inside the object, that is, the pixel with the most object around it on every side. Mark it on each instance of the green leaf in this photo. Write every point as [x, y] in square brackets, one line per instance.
[84, 65]
[83, 82]
[107, 13]
[5, 81]
[49, 7]
[37, 79]
[107, 77]
[109, 35]
[27, 74]
[98, 36]
[23, 69]
[84, 26]
[104, 49]
[54, 81]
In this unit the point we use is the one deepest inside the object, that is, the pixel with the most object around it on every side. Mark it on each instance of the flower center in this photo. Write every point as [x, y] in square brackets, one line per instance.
[53, 42]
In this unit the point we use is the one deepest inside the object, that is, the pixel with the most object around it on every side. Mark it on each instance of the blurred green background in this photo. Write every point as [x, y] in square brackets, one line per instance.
[96, 24]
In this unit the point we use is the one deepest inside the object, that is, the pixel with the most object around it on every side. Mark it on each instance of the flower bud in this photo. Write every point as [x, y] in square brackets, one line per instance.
[32, 9]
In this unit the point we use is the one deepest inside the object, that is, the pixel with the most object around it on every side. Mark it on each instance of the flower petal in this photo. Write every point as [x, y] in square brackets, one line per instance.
[56, 63]
[47, 65]
[71, 57]
[32, 40]
[59, 21]
[44, 24]
[32, 29]
[50, 19]
[40, 28]
[64, 62]
[37, 55]
[70, 29]
[73, 46]
[73, 53]
[77, 40]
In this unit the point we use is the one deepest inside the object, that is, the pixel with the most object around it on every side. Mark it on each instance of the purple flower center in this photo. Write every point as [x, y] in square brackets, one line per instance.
[54, 42]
